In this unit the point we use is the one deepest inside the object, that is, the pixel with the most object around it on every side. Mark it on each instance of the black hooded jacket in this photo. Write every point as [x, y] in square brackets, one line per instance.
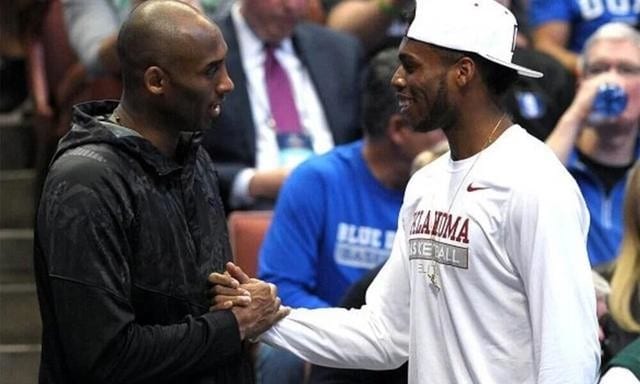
[125, 240]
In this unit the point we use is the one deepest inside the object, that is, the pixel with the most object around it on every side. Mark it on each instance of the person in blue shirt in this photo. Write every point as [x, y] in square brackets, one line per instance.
[561, 27]
[336, 214]
[599, 153]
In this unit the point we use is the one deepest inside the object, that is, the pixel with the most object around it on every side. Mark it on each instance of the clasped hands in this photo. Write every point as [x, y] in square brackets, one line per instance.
[253, 302]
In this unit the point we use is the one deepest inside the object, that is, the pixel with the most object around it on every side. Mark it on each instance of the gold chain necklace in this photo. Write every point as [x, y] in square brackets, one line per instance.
[433, 271]
[486, 144]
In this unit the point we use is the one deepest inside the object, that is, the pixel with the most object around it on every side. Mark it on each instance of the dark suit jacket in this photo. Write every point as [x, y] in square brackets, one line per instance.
[335, 63]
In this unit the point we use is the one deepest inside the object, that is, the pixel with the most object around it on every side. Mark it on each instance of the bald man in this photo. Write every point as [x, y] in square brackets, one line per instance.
[130, 223]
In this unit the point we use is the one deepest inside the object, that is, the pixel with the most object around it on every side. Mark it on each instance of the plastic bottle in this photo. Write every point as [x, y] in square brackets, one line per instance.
[610, 102]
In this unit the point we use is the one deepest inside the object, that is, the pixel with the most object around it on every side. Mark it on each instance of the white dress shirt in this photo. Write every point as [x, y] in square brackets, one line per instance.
[312, 116]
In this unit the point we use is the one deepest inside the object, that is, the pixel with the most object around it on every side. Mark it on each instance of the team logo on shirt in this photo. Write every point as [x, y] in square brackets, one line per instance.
[440, 237]
[530, 105]
[359, 246]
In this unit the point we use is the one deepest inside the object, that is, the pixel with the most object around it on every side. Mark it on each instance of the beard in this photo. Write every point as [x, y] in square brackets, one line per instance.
[442, 114]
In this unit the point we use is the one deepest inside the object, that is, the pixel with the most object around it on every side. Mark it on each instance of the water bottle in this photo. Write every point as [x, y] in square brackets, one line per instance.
[610, 102]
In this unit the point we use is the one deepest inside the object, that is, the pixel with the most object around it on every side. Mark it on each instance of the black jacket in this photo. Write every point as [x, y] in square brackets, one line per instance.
[125, 240]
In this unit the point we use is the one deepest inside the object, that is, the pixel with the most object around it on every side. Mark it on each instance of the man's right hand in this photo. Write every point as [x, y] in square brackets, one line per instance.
[263, 311]
[254, 303]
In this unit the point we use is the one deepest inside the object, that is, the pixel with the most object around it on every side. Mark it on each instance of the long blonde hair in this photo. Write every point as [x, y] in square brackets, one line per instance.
[626, 277]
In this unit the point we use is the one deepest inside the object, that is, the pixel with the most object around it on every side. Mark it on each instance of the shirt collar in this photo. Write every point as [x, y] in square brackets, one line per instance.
[251, 47]
[573, 162]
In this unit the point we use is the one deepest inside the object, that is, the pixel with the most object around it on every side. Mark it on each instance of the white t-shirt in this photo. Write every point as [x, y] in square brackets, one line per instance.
[488, 280]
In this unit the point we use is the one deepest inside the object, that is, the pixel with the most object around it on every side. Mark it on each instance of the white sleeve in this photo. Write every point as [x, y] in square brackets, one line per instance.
[239, 195]
[374, 337]
[546, 237]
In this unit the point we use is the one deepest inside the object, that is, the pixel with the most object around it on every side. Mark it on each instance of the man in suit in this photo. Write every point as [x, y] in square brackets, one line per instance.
[251, 154]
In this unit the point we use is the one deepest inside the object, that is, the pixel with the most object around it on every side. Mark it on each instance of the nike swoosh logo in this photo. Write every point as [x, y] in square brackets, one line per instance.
[471, 188]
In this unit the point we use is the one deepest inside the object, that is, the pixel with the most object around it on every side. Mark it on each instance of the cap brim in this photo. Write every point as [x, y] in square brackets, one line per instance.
[524, 71]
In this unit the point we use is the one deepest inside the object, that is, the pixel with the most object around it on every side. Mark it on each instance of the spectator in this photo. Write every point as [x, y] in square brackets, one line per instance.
[324, 235]
[130, 222]
[488, 280]
[321, 69]
[625, 367]
[378, 24]
[561, 27]
[623, 326]
[599, 153]
[355, 298]
[536, 104]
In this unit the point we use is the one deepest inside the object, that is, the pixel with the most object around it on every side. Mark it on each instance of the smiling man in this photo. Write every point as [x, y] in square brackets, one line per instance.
[131, 224]
[516, 303]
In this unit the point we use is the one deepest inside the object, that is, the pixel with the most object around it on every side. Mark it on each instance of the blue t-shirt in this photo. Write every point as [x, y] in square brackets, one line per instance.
[606, 210]
[333, 222]
[584, 17]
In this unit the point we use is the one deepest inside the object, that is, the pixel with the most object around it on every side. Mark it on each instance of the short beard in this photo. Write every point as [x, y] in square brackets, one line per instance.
[442, 114]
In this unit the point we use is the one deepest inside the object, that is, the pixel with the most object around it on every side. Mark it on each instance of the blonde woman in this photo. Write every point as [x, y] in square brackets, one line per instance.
[626, 277]
[624, 300]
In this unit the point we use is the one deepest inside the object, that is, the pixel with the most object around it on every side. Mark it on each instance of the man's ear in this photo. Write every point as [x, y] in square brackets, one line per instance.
[465, 71]
[155, 80]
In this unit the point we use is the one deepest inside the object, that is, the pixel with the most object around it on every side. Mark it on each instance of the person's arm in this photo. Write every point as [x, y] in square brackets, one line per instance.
[550, 22]
[267, 184]
[242, 187]
[373, 337]
[552, 38]
[546, 230]
[84, 225]
[291, 248]
[368, 20]
[564, 136]
[92, 28]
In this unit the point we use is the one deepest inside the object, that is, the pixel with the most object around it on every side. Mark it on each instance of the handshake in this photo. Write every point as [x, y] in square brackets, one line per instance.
[253, 302]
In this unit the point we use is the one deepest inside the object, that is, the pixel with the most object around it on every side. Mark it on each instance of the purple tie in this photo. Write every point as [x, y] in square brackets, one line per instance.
[283, 107]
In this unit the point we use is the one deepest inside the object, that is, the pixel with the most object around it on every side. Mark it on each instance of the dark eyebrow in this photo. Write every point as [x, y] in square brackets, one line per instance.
[404, 57]
[214, 65]
[407, 59]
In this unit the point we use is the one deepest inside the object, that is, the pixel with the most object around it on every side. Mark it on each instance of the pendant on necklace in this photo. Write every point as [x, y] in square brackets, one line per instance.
[434, 276]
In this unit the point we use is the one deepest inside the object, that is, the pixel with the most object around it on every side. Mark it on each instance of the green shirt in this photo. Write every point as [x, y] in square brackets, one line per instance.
[628, 358]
